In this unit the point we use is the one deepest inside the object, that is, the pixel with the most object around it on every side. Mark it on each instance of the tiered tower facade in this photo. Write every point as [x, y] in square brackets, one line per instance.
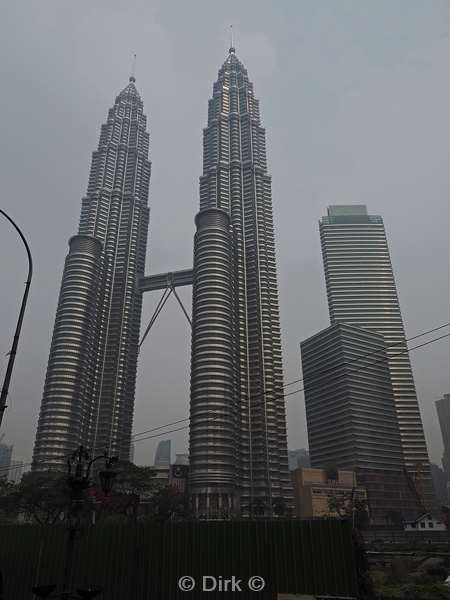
[238, 445]
[90, 383]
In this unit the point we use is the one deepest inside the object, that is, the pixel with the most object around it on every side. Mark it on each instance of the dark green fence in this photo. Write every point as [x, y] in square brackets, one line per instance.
[144, 561]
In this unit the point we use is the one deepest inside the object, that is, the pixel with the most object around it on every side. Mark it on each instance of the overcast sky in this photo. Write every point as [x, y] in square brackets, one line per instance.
[355, 98]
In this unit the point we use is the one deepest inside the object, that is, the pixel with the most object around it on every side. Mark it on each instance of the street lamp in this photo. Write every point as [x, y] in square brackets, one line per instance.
[13, 351]
[107, 476]
[78, 477]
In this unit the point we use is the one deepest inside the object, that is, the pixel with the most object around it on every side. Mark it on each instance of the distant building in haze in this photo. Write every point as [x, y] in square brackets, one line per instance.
[163, 453]
[298, 458]
[5, 460]
[439, 484]
[17, 470]
[161, 475]
[443, 411]
[181, 459]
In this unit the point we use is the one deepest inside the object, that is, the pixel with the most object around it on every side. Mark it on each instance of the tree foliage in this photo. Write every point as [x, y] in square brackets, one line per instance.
[8, 508]
[348, 505]
[40, 496]
[394, 517]
[132, 479]
[46, 497]
[169, 504]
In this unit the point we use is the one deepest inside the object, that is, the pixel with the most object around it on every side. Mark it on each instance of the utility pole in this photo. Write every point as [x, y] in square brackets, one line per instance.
[13, 351]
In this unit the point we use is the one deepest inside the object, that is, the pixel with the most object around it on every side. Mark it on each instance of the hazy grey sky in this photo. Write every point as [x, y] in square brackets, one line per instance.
[355, 98]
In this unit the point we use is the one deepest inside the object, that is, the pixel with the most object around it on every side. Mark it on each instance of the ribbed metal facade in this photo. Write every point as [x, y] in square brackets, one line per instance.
[89, 390]
[65, 411]
[361, 291]
[351, 415]
[350, 408]
[443, 411]
[214, 430]
[235, 180]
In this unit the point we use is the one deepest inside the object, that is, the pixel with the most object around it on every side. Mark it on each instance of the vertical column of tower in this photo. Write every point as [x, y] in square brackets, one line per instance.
[115, 213]
[214, 415]
[64, 418]
[235, 179]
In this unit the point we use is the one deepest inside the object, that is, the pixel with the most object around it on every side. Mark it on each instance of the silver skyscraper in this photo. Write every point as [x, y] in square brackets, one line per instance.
[89, 388]
[238, 447]
[361, 291]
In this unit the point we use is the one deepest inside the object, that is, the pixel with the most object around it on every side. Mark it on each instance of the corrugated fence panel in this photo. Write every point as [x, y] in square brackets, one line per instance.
[144, 561]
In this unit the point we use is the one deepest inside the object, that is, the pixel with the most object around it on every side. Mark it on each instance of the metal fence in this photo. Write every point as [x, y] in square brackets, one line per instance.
[145, 561]
[406, 538]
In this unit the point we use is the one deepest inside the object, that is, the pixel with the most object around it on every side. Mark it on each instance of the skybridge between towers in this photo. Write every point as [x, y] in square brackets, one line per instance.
[166, 282]
[162, 281]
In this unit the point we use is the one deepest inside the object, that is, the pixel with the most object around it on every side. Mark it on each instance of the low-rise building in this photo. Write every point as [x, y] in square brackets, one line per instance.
[17, 470]
[426, 522]
[161, 475]
[178, 477]
[326, 492]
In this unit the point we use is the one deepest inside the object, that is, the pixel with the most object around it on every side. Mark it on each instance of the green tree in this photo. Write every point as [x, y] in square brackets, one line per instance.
[394, 517]
[8, 505]
[40, 496]
[131, 495]
[348, 505]
[169, 504]
[132, 479]
[279, 507]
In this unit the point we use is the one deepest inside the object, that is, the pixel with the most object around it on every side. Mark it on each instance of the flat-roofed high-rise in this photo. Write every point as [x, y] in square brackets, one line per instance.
[350, 408]
[351, 416]
[361, 291]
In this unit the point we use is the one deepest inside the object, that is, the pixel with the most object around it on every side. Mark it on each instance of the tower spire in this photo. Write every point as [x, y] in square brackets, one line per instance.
[232, 49]
[133, 69]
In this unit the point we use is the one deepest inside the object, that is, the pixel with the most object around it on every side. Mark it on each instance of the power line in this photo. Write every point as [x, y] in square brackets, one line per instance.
[161, 427]
[22, 465]
[15, 466]
[378, 351]
[303, 389]
[384, 359]
[302, 379]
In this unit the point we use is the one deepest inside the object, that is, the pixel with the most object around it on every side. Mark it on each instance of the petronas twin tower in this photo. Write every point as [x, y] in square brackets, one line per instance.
[238, 446]
[89, 388]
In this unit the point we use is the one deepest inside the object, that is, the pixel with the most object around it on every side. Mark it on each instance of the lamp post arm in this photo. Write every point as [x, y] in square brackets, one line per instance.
[13, 351]
[92, 461]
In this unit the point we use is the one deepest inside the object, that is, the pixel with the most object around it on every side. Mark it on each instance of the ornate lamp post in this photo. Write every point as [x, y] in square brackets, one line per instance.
[79, 467]
[78, 477]
[13, 351]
